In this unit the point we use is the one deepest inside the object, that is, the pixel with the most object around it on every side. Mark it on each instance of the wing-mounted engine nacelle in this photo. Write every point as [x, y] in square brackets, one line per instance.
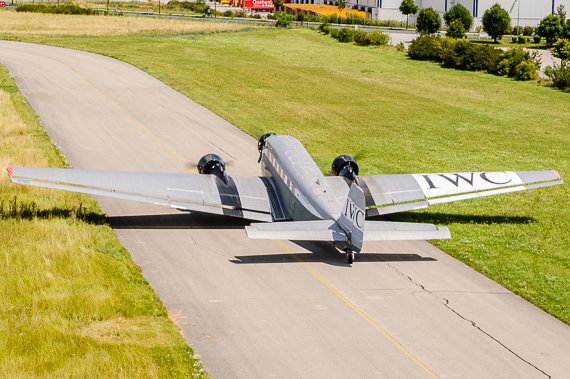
[346, 167]
[213, 164]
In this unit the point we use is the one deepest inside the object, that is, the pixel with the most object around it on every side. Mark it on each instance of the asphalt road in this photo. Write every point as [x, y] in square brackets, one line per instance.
[268, 309]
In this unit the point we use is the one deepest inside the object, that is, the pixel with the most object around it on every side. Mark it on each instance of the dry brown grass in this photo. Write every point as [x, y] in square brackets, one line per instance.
[72, 302]
[16, 145]
[40, 24]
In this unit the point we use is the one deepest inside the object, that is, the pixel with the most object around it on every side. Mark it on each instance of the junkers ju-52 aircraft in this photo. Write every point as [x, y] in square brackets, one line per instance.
[293, 191]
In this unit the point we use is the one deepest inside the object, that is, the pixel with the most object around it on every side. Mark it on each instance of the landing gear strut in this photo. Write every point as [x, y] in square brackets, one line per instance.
[350, 256]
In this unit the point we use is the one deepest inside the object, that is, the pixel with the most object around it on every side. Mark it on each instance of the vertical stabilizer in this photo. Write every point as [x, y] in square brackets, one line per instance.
[352, 217]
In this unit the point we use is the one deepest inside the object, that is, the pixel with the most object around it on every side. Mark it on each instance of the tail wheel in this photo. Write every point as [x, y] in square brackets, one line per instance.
[350, 256]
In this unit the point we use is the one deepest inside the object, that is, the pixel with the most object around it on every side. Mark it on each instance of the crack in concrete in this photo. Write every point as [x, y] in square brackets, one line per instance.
[473, 323]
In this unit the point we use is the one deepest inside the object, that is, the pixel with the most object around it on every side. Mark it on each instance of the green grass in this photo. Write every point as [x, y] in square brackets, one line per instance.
[394, 115]
[72, 302]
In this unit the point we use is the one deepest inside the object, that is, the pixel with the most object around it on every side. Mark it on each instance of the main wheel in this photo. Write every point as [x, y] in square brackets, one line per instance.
[349, 256]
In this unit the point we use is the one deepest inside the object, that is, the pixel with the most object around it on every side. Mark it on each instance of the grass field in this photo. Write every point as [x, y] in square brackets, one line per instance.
[394, 115]
[16, 24]
[72, 302]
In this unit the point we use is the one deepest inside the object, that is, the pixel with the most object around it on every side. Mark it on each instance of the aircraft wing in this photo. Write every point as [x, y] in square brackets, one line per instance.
[244, 196]
[386, 194]
[396, 193]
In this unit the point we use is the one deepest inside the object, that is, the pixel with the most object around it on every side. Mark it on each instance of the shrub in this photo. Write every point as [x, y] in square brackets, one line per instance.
[228, 14]
[514, 39]
[428, 21]
[521, 39]
[506, 64]
[326, 29]
[361, 38]
[496, 22]
[526, 71]
[256, 16]
[283, 20]
[550, 28]
[425, 49]
[559, 74]
[300, 17]
[62, 9]
[173, 3]
[562, 49]
[322, 26]
[459, 13]
[528, 31]
[346, 35]
[465, 55]
[335, 33]
[456, 29]
[377, 38]
[536, 38]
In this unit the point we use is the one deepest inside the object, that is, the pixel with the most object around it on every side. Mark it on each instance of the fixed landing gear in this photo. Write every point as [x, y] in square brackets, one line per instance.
[350, 256]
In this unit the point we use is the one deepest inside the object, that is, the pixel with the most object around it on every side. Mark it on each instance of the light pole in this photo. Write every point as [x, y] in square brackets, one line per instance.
[519, 17]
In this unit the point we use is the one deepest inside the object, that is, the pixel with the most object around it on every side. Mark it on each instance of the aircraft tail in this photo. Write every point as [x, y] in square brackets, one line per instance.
[349, 231]
[352, 217]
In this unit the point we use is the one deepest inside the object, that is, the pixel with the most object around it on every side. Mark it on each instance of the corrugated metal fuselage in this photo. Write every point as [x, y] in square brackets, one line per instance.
[301, 186]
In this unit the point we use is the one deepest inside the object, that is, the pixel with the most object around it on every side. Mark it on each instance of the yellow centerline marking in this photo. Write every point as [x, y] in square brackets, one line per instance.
[390, 338]
[129, 116]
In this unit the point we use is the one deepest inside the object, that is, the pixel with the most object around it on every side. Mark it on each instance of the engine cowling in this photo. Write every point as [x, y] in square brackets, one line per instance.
[261, 143]
[346, 167]
[213, 164]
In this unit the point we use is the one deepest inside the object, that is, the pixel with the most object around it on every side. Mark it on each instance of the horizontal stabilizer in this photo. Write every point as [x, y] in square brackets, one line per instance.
[319, 230]
[328, 230]
[403, 231]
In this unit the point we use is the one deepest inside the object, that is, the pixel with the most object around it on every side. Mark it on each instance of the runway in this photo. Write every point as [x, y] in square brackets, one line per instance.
[275, 309]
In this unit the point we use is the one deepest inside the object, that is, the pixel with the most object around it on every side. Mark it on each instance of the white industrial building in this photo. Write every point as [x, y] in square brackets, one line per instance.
[525, 12]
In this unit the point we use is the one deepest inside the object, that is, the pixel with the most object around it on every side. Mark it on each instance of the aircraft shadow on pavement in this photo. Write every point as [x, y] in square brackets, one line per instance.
[452, 218]
[199, 220]
[324, 252]
[177, 221]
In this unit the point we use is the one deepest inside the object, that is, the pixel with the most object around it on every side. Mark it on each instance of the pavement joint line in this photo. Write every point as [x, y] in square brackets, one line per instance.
[126, 114]
[388, 336]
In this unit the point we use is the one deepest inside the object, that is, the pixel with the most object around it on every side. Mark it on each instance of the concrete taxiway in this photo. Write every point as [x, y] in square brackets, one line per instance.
[263, 309]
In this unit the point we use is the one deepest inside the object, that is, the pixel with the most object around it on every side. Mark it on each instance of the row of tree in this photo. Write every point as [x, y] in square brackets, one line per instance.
[496, 21]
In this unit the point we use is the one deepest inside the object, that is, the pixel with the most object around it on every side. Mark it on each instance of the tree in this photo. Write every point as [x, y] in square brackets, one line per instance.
[456, 29]
[562, 49]
[407, 8]
[341, 4]
[561, 12]
[283, 20]
[428, 21]
[277, 4]
[550, 28]
[459, 13]
[496, 22]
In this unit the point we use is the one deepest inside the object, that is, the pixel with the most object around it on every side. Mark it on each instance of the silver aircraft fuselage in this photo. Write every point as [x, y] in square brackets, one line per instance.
[300, 183]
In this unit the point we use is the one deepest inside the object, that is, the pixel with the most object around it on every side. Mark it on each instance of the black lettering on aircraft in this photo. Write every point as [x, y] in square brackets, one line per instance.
[354, 214]
[456, 181]
[484, 177]
[428, 180]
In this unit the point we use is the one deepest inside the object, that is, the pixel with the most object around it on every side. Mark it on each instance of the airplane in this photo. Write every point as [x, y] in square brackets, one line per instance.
[292, 197]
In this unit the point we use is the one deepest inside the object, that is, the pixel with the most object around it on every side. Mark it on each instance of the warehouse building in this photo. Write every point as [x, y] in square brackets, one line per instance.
[525, 12]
